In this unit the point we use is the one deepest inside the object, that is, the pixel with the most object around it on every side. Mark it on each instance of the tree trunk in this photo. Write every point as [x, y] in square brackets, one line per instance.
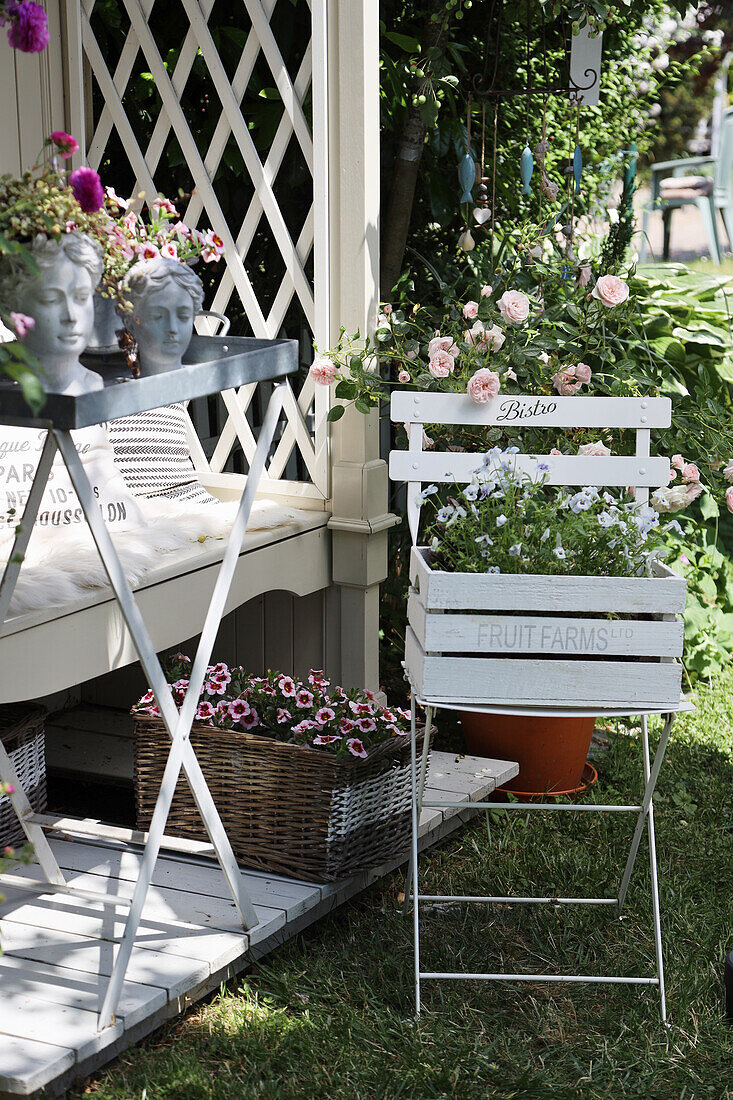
[396, 223]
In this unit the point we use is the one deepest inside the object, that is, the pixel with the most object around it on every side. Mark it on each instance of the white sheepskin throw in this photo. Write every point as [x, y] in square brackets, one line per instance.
[61, 565]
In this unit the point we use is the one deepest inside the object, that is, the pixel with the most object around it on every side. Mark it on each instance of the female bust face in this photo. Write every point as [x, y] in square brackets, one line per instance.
[163, 326]
[62, 305]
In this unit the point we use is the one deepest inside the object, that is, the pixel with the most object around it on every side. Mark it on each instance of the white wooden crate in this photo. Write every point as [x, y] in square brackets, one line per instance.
[541, 640]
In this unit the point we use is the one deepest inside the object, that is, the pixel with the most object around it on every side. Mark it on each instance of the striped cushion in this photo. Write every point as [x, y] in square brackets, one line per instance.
[152, 454]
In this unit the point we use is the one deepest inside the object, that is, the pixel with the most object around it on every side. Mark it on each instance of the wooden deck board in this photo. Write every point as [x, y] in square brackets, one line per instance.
[58, 947]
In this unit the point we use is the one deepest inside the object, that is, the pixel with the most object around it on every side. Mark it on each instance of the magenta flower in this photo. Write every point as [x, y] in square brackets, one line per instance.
[65, 143]
[304, 699]
[22, 324]
[356, 748]
[88, 190]
[28, 30]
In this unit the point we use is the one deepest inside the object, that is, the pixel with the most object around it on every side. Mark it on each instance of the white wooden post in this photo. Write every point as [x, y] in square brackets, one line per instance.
[358, 477]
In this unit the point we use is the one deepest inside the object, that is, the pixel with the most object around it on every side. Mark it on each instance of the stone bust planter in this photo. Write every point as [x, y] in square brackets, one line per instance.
[164, 297]
[60, 299]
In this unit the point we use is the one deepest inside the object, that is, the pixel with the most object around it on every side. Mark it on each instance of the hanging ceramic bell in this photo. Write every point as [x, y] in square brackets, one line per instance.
[577, 167]
[466, 242]
[467, 178]
[527, 169]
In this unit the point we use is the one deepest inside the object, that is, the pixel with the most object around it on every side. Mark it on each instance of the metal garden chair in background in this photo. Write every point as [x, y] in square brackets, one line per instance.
[678, 183]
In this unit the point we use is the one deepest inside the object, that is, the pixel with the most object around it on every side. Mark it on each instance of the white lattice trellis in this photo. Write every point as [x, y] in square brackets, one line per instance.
[313, 295]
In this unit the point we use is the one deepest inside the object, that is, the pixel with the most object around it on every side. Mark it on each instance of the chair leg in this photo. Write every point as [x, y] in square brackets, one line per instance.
[726, 212]
[667, 223]
[706, 206]
[643, 244]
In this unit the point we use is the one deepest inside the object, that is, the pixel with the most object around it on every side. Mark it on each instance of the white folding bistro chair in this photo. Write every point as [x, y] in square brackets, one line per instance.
[455, 658]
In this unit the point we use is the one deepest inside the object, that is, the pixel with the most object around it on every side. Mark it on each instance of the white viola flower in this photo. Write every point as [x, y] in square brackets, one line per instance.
[545, 535]
[516, 549]
[501, 520]
[484, 540]
[458, 513]
[445, 513]
[471, 491]
[474, 510]
[435, 543]
[559, 553]
[608, 498]
[543, 467]
[493, 569]
[673, 525]
[605, 519]
[427, 492]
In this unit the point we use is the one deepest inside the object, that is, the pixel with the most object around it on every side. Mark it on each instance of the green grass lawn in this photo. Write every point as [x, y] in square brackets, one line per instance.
[331, 1014]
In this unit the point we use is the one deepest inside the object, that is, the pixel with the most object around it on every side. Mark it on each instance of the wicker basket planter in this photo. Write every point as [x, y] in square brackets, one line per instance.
[286, 808]
[545, 640]
[23, 734]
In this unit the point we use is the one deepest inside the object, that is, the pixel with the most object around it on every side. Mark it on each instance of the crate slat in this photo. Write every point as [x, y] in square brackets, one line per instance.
[552, 683]
[662, 595]
[445, 632]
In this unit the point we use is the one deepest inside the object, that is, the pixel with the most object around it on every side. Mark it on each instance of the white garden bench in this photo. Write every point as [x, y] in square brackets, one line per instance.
[455, 657]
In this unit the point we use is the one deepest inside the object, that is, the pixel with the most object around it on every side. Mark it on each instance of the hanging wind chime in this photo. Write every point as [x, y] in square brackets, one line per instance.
[473, 176]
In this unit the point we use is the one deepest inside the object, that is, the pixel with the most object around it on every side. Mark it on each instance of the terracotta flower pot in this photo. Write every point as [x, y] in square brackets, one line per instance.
[550, 752]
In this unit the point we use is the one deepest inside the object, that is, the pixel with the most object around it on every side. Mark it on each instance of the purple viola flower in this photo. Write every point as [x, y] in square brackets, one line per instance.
[28, 30]
[88, 190]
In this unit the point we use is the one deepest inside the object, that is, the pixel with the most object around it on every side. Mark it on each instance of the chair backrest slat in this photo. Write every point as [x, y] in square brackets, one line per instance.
[418, 467]
[517, 411]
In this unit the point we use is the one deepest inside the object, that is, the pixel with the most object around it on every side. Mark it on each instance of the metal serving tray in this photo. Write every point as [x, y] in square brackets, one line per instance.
[211, 364]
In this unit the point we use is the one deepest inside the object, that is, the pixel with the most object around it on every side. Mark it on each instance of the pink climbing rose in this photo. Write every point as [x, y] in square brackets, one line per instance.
[470, 311]
[483, 385]
[610, 290]
[514, 306]
[323, 371]
[441, 364]
[442, 343]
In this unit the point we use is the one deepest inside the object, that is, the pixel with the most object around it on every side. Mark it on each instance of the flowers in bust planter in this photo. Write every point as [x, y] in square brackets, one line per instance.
[130, 237]
[41, 204]
[347, 724]
[509, 521]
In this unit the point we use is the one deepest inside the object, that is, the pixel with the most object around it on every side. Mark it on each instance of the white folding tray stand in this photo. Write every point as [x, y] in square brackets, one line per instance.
[417, 467]
[233, 366]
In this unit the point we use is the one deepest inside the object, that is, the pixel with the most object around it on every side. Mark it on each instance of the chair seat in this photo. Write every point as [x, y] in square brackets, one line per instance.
[685, 187]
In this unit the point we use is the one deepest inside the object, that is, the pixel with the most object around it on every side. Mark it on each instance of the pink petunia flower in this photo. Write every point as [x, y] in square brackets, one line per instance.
[169, 251]
[205, 711]
[166, 205]
[346, 725]
[283, 716]
[248, 721]
[287, 687]
[356, 748]
[324, 715]
[239, 708]
[326, 738]
[304, 699]
[114, 197]
[366, 725]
